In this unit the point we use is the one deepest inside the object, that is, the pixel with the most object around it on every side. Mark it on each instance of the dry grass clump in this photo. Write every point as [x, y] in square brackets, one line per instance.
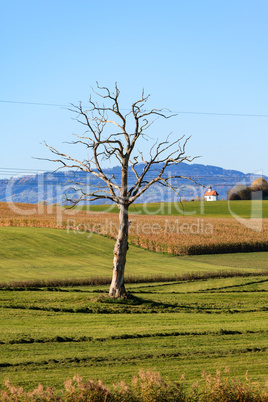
[150, 386]
[147, 386]
[227, 389]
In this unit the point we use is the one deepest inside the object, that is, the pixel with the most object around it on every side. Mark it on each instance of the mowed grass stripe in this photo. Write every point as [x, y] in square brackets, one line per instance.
[128, 358]
[41, 325]
[234, 351]
[173, 334]
[196, 296]
[113, 372]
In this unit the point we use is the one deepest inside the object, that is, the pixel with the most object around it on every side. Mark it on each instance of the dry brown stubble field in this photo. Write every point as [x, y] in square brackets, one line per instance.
[171, 234]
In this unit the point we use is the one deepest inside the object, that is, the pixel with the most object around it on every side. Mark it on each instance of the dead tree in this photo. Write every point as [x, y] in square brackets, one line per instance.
[107, 136]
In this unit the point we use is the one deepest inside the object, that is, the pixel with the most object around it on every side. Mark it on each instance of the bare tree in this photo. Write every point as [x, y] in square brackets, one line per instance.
[111, 133]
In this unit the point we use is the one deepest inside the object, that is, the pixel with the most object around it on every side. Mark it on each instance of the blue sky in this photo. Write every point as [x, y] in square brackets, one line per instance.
[191, 56]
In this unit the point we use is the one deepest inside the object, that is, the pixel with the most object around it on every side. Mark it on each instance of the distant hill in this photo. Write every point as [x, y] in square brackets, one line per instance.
[51, 187]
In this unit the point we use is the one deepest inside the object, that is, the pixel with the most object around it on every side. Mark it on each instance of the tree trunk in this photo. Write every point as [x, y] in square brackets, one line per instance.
[117, 288]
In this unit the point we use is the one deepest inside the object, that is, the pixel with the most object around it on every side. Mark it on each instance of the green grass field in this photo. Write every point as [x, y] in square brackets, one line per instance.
[50, 334]
[38, 253]
[219, 209]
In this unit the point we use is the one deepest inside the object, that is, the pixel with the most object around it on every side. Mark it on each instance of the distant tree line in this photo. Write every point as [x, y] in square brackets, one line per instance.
[258, 189]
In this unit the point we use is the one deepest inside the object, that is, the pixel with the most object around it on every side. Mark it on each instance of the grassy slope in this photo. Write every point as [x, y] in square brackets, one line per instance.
[219, 209]
[37, 253]
[174, 328]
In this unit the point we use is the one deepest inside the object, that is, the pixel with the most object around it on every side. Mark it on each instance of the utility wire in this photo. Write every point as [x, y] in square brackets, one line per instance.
[149, 175]
[171, 111]
[4, 170]
[34, 103]
[22, 170]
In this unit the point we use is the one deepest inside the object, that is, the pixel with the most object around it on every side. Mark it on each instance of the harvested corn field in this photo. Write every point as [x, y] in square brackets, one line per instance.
[179, 235]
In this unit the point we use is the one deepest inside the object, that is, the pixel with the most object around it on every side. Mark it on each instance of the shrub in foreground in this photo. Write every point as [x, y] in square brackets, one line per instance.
[148, 386]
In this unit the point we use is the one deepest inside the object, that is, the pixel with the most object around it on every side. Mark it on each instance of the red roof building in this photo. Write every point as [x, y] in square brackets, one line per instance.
[211, 195]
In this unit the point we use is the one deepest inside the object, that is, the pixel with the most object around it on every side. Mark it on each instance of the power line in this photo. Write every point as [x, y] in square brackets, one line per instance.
[117, 175]
[148, 176]
[225, 114]
[171, 111]
[220, 181]
[22, 170]
[34, 103]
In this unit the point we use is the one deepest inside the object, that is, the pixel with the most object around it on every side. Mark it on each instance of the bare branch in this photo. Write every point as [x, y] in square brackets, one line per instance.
[104, 144]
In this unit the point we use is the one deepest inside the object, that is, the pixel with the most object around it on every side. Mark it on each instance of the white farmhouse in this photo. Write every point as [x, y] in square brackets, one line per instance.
[211, 195]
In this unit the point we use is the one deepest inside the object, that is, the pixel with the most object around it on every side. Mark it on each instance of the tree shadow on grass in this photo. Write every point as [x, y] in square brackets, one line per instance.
[132, 300]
